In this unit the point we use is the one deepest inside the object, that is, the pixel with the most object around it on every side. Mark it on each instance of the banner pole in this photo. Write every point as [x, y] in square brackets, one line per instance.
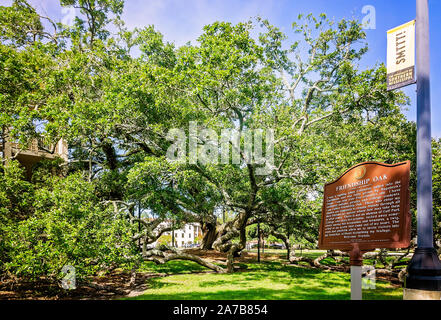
[424, 271]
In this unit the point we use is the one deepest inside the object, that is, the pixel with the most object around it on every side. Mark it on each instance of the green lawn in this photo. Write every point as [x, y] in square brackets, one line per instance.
[265, 281]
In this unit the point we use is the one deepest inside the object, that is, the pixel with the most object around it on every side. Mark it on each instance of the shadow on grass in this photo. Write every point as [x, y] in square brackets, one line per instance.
[156, 283]
[173, 267]
[212, 283]
[264, 281]
[250, 294]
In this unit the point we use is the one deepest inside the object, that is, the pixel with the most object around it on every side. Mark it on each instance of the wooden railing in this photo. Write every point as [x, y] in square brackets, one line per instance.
[60, 148]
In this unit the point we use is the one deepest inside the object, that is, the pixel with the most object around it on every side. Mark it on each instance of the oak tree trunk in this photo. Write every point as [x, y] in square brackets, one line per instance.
[210, 234]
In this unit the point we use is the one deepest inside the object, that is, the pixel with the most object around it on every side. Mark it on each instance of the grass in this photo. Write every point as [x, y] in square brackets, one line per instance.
[264, 281]
[173, 267]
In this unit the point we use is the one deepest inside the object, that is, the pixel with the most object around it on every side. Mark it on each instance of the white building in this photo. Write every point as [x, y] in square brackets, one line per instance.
[190, 234]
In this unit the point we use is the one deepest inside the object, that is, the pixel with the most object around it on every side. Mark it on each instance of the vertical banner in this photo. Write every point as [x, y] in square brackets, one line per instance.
[401, 56]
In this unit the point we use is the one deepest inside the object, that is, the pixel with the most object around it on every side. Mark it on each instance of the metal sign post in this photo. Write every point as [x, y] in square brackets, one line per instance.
[424, 270]
[356, 292]
[356, 262]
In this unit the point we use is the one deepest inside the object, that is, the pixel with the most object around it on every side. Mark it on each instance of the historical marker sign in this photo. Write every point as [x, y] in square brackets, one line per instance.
[401, 56]
[367, 208]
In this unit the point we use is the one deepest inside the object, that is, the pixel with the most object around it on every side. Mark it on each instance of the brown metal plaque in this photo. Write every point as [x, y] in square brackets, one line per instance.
[367, 208]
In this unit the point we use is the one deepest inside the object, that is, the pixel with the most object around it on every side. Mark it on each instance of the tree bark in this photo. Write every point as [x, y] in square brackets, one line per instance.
[316, 262]
[285, 240]
[240, 227]
[292, 254]
[210, 232]
[165, 254]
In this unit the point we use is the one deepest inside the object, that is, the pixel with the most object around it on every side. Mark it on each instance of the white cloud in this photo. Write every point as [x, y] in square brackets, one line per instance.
[179, 20]
[182, 21]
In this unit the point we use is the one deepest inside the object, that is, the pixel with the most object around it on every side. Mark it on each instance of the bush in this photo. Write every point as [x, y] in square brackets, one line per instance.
[69, 225]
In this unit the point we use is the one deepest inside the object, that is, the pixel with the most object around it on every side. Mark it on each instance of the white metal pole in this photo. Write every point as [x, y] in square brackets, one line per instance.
[356, 293]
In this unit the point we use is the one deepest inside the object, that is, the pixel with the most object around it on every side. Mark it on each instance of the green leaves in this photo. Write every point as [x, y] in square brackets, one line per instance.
[20, 24]
[98, 14]
[114, 110]
[70, 226]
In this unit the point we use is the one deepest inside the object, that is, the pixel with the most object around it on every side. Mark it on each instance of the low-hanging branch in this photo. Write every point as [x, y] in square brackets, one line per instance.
[165, 253]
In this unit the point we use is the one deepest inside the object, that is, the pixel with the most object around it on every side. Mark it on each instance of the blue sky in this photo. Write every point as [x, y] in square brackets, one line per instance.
[182, 20]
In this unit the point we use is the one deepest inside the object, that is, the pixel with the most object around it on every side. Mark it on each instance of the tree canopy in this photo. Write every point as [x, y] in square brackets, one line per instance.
[118, 110]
